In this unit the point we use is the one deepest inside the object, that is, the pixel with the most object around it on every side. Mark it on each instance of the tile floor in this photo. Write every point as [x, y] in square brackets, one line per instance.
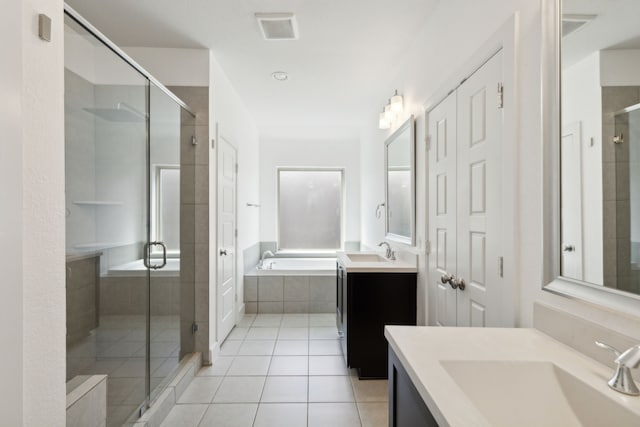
[117, 348]
[281, 370]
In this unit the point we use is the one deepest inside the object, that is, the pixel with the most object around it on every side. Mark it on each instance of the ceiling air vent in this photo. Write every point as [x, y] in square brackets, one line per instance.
[571, 23]
[278, 26]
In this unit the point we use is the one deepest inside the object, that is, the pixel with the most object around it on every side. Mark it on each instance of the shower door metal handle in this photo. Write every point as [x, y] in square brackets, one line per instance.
[147, 255]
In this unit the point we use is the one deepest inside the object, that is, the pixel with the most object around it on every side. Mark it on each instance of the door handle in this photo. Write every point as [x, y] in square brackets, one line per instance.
[223, 252]
[446, 278]
[147, 255]
[458, 283]
[568, 248]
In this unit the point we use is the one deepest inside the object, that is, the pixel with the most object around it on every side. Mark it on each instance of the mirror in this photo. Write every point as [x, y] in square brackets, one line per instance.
[591, 115]
[600, 143]
[400, 184]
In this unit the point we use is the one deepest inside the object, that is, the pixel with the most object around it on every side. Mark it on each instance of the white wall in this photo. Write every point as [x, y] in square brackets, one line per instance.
[447, 40]
[43, 222]
[582, 103]
[235, 124]
[620, 67]
[11, 322]
[309, 153]
[173, 67]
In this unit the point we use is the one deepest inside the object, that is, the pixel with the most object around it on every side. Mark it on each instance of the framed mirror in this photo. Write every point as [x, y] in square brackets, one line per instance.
[591, 126]
[400, 201]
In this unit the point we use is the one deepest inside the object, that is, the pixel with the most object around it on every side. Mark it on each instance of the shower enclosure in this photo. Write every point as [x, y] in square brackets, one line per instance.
[129, 304]
[627, 209]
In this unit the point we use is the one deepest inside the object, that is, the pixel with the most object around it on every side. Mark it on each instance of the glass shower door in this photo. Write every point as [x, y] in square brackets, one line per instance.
[171, 286]
[106, 115]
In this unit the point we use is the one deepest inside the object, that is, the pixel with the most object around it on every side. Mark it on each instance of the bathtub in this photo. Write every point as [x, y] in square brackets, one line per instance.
[123, 286]
[298, 267]
[137, 268]
[291, 285]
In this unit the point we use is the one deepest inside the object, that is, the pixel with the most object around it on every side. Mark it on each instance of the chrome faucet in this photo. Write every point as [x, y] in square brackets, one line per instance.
[389, 254]
[622, 380]
[264, 255]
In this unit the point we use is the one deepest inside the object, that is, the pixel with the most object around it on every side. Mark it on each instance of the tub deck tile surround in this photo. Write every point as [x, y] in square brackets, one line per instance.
[293, 291]
[301, 390]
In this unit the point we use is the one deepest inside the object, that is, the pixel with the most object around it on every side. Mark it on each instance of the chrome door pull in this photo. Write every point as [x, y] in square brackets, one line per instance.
[147, 255]
[223, 252]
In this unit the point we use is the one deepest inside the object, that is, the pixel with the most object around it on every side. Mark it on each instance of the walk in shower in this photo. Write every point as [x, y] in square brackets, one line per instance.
[129, 304]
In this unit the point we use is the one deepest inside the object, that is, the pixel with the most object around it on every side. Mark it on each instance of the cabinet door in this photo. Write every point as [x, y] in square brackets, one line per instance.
[465, 204]
[479, 197]
[442, 211]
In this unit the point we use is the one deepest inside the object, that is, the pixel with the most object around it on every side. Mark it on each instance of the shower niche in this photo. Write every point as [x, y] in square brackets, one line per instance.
[128, 299]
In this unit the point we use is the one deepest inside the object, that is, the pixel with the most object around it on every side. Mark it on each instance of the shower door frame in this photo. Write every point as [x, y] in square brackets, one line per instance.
[87, 26]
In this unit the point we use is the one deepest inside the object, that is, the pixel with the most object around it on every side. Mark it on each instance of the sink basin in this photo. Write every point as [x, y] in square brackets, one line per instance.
[366, 258]
[527, 393]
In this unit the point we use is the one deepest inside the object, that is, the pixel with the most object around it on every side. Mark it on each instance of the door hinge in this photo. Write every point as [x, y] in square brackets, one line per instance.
[194, 141]
[428, 245]
[500, 95]
[501, 266]
[236, 168]
[194, 328]
[427, 141]
[213, 143]
[236, 232]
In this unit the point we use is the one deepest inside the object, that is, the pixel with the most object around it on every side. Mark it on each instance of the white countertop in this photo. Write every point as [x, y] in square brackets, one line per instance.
[421, 350]
[396, 266]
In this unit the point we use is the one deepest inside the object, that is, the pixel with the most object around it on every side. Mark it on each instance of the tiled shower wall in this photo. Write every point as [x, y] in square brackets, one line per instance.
[615, 169]
[194, 220]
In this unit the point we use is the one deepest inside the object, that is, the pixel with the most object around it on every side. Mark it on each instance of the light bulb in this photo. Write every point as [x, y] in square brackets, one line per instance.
[383, 123]
[388, 114]
[396, 103]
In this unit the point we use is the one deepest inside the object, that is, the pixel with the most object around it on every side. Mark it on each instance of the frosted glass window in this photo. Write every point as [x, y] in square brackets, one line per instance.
[168, 207]
[310, 209]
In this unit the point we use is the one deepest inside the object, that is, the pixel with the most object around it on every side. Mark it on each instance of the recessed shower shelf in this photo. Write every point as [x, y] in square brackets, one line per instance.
[97, 203]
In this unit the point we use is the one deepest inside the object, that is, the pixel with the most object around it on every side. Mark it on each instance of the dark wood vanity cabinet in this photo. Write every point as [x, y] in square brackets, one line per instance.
[366, 302]
[406, 407]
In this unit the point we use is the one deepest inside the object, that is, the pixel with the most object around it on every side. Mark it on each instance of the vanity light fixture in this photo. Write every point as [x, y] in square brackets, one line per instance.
[391, 111]
[383, 123]
[396, 103]
[388, 113]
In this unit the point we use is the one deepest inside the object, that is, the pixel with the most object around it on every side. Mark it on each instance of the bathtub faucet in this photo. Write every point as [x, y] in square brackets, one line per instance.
[264, 255]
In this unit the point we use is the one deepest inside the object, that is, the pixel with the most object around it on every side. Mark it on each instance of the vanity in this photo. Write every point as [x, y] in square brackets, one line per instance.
[371, 292]
[498, 377]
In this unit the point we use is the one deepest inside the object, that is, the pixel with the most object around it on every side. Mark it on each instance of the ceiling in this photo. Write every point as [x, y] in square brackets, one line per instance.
[615, 27]
[347, 51]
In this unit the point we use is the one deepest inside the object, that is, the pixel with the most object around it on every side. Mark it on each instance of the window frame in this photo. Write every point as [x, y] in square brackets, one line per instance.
[156, 211]
[342, 171]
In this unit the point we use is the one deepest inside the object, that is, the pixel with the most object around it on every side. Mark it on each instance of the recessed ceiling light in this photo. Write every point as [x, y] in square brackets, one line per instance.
[280, 76]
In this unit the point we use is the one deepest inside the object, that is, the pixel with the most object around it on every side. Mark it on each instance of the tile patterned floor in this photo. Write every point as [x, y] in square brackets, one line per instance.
[281, 370]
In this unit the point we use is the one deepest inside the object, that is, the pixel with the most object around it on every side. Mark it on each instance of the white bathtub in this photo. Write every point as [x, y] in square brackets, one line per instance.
[137, 268]
[298, 267]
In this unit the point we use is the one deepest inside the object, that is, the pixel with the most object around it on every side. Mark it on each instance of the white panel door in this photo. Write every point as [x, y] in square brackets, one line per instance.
[227, 171]
[571, 202]
[479, 165]
[442, 211]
